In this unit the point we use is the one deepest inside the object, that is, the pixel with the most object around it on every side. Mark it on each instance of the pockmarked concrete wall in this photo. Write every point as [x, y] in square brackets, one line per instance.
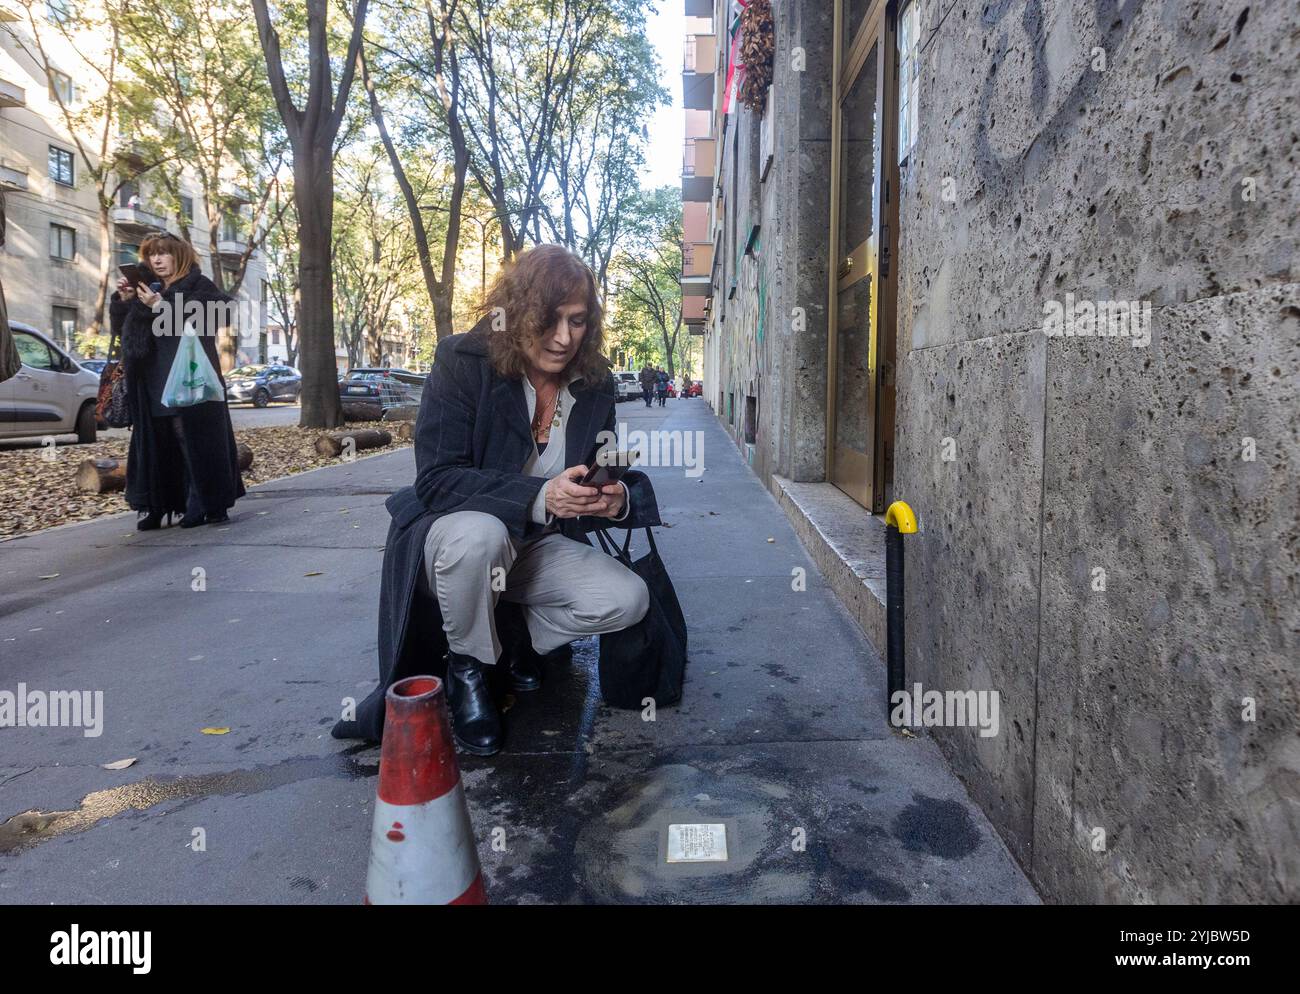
[1109, 533]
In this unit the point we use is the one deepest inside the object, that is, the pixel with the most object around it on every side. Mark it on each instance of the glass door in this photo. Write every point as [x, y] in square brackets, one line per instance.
[862, 216]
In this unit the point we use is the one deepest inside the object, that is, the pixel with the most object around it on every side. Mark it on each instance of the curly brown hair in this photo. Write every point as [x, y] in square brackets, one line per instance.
[522, 303]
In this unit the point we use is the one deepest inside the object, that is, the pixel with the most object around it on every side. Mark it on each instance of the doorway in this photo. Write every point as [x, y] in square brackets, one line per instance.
[864, 226]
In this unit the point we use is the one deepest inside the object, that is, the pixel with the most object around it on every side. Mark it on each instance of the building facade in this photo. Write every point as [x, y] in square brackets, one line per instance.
[52, 257]
[1030, 266]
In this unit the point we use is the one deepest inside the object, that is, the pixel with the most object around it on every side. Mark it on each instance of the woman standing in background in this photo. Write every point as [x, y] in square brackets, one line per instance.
[181, 459]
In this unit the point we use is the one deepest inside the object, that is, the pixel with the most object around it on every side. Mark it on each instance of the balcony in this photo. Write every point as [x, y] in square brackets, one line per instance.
[699, 63]
[697, 259]
[697, 168]
[11, 94]
[232, 249]
[13, 177]
[137, 220]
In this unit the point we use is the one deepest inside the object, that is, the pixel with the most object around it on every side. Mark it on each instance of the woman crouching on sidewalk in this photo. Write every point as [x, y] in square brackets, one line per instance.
[508, 423]
[181, 459]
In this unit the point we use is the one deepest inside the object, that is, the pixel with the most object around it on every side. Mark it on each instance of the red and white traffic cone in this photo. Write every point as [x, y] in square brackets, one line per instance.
[422, 847]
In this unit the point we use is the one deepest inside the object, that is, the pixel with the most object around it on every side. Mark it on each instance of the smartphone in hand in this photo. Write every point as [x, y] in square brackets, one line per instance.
[136, 274]
[610, 469]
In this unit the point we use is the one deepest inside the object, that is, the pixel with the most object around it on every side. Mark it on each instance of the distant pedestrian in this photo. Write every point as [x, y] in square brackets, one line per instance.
[181, 459]
[661, 386]
[648, 378]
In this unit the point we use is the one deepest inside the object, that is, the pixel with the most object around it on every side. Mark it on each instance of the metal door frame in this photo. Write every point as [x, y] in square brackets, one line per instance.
[867, 475]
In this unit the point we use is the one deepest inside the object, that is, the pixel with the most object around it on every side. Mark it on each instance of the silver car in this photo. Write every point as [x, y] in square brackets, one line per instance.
[50, 394]
[629, 385]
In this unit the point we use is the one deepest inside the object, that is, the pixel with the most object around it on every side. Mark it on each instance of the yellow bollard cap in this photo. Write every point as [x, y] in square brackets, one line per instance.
[901, 517]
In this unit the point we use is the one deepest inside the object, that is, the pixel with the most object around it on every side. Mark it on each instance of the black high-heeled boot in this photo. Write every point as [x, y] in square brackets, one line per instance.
[194, 515]
[475, 721]
[150, 521]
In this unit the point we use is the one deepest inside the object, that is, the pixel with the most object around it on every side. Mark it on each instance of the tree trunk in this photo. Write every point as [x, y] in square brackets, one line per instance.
[364, 438]
[313, 192]
[105, 476]
[101, 476]
[106, 255]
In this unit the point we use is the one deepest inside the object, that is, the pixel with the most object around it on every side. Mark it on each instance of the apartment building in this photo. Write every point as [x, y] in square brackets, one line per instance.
[52, 257]
[900, 263]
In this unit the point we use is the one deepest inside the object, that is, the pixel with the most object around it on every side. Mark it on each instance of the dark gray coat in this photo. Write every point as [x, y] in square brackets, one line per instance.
[472, 439]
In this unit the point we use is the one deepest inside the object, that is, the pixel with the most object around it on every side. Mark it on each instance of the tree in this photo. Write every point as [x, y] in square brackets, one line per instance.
[439, 69]
[207, 70]
[374, 258]
[282, 275]
[646, 277]
[311, 131]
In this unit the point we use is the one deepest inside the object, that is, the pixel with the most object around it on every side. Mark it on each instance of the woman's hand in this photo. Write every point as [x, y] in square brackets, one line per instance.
[125, 289]
[565, 498]
[147, 296]
[610, 504]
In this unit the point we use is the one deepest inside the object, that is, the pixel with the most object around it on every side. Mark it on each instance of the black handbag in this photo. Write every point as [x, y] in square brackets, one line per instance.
[647, 660]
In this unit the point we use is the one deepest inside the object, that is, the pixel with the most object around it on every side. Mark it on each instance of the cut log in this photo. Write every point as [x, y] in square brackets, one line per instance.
[245, 456]
[101, 476]
[332, 445]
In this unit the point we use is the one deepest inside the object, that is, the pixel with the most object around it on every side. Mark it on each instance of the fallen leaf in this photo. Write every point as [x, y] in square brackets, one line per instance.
[121, 764]
[315, 573]
[48, 576]
[907, 734]
[214, 731]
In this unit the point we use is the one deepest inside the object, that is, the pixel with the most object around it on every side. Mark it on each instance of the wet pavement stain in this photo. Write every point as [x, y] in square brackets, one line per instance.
[940, 828]
[31, 828]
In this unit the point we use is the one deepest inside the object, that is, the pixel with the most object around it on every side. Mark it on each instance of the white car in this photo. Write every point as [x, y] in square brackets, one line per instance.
[50, 394]
[629, 385]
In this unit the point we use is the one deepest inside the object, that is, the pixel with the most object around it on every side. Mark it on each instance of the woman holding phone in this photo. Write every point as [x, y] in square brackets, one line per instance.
[182, 460]
[512, 415]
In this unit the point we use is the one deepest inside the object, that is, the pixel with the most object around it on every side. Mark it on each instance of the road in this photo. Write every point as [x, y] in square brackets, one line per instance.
[241, 416]
[780, 735]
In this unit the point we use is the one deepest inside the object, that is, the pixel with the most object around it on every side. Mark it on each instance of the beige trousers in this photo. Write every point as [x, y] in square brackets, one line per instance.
[568, 589]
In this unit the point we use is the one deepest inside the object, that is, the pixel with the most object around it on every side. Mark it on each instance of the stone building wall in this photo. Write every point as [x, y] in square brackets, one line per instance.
[1108, 525]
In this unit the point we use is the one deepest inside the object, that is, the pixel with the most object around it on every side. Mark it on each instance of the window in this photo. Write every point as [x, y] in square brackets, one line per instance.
[32, 351]
[909, 75]
[61, 91]
[63, 242]
[230, 228]
[65, 327]
[127, 254]
[128, 195]
[275, 336]
[187, 207]
[61, 170]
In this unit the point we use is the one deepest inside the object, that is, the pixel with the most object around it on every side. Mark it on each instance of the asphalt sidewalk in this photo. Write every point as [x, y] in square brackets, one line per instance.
[781, 734]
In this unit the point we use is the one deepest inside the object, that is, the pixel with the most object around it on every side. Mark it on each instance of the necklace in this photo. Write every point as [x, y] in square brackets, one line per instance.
[540, 425]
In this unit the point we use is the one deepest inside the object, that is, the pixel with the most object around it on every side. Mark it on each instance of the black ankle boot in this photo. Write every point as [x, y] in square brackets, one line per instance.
[475, 721]
[150, 521]
[525, 668]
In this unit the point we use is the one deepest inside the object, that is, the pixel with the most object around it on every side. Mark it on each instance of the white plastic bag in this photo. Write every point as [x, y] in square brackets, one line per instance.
[191, 380]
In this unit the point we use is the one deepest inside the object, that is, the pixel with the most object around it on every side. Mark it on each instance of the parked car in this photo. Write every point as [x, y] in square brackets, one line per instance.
[366, 392]
[96, 366]
[50, 394]
[695, 389]
[628, 384]
[261, 384]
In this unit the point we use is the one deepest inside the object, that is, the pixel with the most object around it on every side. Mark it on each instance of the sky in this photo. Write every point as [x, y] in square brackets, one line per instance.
[666, 26]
